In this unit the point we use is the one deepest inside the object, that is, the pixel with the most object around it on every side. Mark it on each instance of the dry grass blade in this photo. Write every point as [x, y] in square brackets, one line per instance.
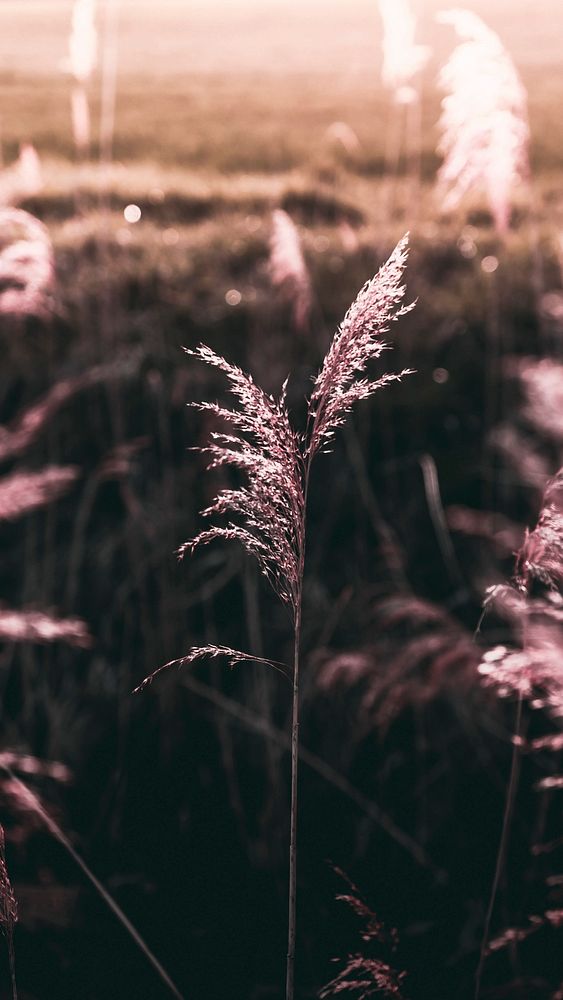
[255, 723]
[233, 657]
[54, 829]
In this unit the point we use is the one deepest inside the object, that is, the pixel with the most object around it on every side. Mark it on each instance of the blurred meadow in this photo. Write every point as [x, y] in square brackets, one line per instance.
[156, 231]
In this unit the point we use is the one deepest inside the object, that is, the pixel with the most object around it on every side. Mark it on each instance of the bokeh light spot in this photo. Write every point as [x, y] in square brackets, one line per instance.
[489, 264]
[132, 213]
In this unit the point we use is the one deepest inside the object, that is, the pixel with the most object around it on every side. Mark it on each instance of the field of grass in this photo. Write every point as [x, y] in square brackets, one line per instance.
[177, 797]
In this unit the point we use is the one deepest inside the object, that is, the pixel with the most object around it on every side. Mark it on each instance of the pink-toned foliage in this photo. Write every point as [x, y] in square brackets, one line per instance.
[83, 40]
[41, 627]
[23, 178]
[27, 267]
[542, 382]
[484, 122]
[29, 424]
[357, 342]
[273, 457]
[272, 502]
[363, 977]
[533, 669]
[403, 58]
[22, 492]
[287, 267]
[8, 905]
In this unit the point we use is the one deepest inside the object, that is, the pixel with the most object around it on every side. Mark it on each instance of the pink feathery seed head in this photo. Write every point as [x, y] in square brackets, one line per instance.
[358, 341]
[341, 132]
[521, 452]
[232, 656]
[27, 269]
[42, 627]
[83, 40]
[287, 267]
[23, 178]
[542, 382]
[8, 905]
[484, 121]
[270, 506]
[22, 492]
[403, 59]
[532, 669]
[29, 169]
[365, 978]
[541, 555]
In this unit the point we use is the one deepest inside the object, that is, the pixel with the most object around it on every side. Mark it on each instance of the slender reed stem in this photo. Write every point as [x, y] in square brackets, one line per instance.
[289, 987]
[290, 972]
[508, 810]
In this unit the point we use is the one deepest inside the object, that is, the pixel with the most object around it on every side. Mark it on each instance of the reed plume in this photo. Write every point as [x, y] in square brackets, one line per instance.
[402, 57]
[22, 492]
[484, 120]
[41, 627]
[27, 267]
[83, 54]
[288, 270]
[268, 514]
[8, 911]
[531, 670]
[365, 976]
[23, 178]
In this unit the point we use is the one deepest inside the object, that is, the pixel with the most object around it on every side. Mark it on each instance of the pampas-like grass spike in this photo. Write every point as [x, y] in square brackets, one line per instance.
[272, 502]
[402, 57]
[288, 270]
[41, 627]
[23, 178]
[22, 492]
[27, 268]
[357, 342]
[484, 121]
[83, 40]
[270, 510]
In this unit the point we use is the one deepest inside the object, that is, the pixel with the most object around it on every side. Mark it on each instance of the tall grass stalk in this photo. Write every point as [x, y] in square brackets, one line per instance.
[270, 512]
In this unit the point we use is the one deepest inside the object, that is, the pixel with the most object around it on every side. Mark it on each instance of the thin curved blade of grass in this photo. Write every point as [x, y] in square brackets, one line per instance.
[233, 656]
[61, 837]
[262, 727]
